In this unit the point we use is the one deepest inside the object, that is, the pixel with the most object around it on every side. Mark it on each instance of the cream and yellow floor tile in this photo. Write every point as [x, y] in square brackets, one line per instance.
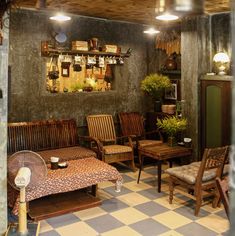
[207, 206]
[80, 228]
[129, 215]
[214, 222]
[103, 195]
[106, 184]
[90, 213]
[172, 219]
[133, 199]
[164, 201]
[44, 226]
[144, 175]
[164, 187]
[171, 233]
[125, 231]
[133, 186]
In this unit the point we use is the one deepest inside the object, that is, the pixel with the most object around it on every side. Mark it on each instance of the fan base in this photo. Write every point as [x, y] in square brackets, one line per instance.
[33, 230]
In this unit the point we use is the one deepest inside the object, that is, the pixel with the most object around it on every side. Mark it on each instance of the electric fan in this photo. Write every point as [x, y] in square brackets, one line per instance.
[25, 169]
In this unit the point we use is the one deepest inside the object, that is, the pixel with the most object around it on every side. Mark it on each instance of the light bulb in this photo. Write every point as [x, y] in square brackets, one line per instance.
[167, 17]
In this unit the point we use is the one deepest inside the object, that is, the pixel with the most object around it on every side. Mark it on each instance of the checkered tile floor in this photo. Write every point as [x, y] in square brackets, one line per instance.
[139, 210]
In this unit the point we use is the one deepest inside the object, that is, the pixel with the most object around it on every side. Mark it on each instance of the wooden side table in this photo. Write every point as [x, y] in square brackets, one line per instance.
[160, 153]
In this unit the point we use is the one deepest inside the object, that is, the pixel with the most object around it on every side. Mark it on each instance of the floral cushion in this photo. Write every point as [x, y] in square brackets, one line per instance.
[188, 173]
[66, 154]
[114, 149]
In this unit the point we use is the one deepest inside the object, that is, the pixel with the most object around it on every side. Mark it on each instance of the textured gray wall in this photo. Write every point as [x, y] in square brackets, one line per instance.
[232, 156]
[29, 99]
[3, 130]
[201, 37]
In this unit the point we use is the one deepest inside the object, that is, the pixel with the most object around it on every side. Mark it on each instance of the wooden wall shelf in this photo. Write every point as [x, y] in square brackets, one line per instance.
[56, 52]
[171, 72]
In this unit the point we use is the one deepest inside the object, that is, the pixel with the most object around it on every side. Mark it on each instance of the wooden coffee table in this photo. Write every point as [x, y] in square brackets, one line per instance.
[161, 152]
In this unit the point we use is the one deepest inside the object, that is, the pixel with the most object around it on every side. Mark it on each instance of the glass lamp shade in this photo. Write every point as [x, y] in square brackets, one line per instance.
[151, 31]
[221, 61]
[60, 17]
[167, 17]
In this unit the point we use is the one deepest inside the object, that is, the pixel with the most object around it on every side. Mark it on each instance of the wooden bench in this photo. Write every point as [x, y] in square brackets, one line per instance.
[56, 138]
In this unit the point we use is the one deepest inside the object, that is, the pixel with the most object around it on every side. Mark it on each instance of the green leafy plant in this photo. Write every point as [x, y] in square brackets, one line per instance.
[77, 86]
[154, 85]
[172, 125]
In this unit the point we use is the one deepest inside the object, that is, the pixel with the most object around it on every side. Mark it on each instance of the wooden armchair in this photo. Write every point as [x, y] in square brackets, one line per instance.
[101, 128]
[199, 177]
[132, 123]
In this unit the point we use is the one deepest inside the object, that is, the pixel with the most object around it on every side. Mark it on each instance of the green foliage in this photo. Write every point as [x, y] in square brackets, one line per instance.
[172, 125]
[77, 86]
[154, 84]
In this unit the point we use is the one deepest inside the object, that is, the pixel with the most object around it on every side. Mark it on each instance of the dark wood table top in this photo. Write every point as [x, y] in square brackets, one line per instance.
[163, 151]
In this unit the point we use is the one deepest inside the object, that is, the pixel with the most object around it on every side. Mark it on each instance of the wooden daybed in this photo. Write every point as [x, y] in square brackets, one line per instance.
[58, 193]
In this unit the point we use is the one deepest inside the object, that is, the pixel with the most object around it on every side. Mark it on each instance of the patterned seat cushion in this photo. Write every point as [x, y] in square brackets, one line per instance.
[66, 154]
[114, 149]
[188, 173]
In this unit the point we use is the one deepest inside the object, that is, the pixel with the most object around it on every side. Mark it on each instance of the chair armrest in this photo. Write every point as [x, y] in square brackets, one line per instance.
[157, 131]
[96, 141]
[128, 139]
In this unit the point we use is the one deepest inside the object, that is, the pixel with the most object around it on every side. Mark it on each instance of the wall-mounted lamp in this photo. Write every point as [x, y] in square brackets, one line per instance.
[60, 17]
[221, 61]
[151, 31]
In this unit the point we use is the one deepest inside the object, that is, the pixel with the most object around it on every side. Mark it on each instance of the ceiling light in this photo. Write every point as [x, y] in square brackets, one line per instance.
[60, 17]
[167, 17]
[151, 31]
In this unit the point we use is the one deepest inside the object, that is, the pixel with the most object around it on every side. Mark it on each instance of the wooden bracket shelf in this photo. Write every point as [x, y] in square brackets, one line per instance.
[170, 72]
[56, 52]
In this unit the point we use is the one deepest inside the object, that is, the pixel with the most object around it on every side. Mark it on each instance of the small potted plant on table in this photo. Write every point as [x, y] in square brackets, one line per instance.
[172, 126]
[154, 85]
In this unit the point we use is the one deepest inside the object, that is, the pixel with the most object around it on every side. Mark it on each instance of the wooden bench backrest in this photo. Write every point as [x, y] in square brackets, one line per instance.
[41, 135]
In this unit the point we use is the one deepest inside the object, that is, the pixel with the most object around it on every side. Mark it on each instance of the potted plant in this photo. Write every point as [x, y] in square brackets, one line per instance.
[172, 126]
[154, 85]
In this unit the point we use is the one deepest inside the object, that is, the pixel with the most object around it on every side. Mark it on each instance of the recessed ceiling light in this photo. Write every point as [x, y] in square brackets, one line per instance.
[151, 31]
[167, 17]
[60, 17]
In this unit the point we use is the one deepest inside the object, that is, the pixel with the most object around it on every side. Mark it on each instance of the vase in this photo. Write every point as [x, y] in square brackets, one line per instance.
[171, 141]
[157, 106]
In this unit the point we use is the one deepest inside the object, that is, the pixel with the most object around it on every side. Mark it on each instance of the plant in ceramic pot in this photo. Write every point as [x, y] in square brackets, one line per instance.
[154, 85]
[172, 126]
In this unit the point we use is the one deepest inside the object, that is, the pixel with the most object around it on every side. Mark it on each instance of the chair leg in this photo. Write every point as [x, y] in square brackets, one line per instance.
[171, 189]
[198, 203]
[216, 199]
[132, 165]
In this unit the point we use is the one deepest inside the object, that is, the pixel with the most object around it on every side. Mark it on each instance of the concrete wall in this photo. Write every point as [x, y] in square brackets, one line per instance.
[202, 37]
[29, 99]
[232, 155]
[3, 129]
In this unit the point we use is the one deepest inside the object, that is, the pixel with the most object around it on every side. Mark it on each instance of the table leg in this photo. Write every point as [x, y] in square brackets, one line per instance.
[141, 157]
[159, 174]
